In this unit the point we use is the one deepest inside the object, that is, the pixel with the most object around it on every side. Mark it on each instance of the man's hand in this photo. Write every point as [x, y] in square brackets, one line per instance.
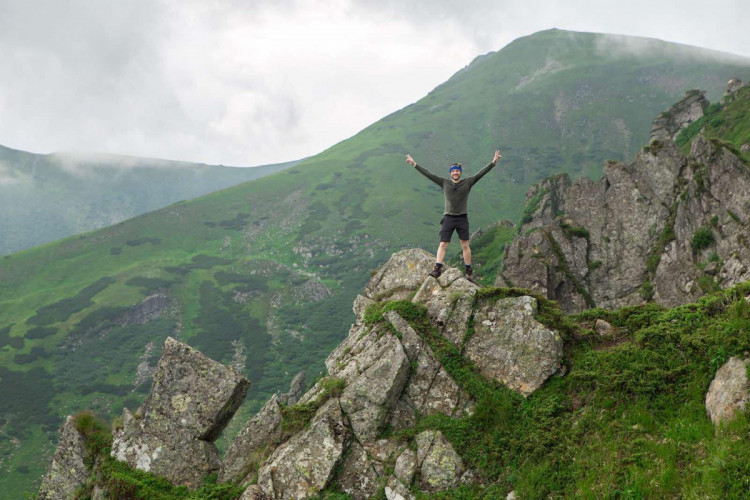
[410, 160]
[494, 160]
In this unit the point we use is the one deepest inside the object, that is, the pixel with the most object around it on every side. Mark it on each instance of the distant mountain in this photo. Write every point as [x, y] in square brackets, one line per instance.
[262, 275]
[47, 197]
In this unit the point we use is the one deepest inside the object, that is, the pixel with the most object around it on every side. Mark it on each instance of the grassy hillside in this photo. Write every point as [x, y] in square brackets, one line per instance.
[262, 275]
[628, 419]
[47, 197]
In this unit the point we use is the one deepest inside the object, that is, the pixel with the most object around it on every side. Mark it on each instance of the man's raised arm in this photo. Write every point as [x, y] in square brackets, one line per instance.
[475, 178]
[434, 178]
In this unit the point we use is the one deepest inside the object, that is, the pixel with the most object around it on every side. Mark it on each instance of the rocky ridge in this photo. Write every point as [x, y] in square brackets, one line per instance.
[667, 227]
[383, 376]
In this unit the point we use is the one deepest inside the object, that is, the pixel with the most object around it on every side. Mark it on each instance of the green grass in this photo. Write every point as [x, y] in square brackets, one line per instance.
[730, 123]
[628, 420]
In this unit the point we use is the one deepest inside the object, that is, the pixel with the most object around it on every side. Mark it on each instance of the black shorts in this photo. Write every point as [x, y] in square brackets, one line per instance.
[458, 223]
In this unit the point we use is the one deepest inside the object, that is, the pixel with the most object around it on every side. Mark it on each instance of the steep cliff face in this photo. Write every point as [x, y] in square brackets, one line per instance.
[668, 227]
[382, 379]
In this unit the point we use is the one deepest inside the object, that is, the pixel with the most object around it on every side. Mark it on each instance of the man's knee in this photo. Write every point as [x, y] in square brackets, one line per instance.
[465, 243]
[444, 244]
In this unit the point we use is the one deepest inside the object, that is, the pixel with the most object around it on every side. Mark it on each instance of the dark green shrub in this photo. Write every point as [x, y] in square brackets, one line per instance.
[702, 238]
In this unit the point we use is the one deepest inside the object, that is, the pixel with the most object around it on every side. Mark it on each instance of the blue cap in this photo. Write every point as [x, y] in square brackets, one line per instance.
[455, 166]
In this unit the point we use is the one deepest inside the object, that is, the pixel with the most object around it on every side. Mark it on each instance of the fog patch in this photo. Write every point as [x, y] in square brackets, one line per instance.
[643, 48]
[12, 177]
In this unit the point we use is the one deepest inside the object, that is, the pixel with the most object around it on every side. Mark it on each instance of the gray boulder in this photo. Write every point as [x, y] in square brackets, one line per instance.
[305, 464]
[253, 443]
[172, 433]
[406, 466]
[511, 346]
[440, 467]
[68, 470]
[296, 389]
[430, 389]
[729, 391]
[359, 476]
[449, 301]
[369, 399]
[161, 446]
[400, 276]
[396, 490]
[669, 123]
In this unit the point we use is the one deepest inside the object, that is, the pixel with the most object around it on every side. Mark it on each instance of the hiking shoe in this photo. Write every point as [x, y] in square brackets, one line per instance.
[436, 271]
[469, 275]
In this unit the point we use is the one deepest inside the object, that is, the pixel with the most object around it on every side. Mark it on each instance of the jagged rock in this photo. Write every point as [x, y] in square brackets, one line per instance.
[161, 446]
[364, 346]
[197, 392]
[401, 275]
[511, 496]
[368, 400]
[99, 493]
[729, 391]
[172, 433]
[448, 300]
[152, 307]
[627, 238]
[253, 443]
[383, 451]
[254, 492]
[360, 305]
[306, 462]
[440, 467]
[145, 370]
[296, 390]
[406, 466]
[430, 389]
[603, 328]
[745, 148]
[358, 476]
[512, 347]
[669, 123]
[395, 490]
[68, 470]
[733, 85]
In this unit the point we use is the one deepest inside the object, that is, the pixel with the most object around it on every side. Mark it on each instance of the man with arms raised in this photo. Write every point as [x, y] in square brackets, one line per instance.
[455, 218]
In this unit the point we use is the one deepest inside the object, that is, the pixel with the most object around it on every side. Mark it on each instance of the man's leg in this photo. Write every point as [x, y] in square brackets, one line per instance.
[441, 251]
[466, 251]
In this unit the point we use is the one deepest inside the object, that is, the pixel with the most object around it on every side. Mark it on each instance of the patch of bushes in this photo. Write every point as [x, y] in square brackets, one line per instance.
[63, 309]
[143, 241]
[531, 206]
[39, 332]
[294, 418]
[149, 284]
[702, 238]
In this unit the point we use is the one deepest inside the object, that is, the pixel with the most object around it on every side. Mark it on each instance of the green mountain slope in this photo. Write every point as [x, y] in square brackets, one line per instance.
[262, 275]
[47, 197]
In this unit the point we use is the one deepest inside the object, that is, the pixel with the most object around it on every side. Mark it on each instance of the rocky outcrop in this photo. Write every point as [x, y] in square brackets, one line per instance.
[729, 391]
[667, 228]
[400, 276]
[512, 347]
[296, 389]
[669, 123]
[152, 307]
[172, 433]
[252, 444]
[440, 467]
[733, 85]
[68, 470]
[383, 375]
[305, 464]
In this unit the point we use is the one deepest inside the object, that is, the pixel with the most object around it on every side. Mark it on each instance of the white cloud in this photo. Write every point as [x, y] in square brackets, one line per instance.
[243, 83]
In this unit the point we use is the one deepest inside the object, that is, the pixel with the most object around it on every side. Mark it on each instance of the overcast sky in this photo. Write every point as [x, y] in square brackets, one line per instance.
[259, 81]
